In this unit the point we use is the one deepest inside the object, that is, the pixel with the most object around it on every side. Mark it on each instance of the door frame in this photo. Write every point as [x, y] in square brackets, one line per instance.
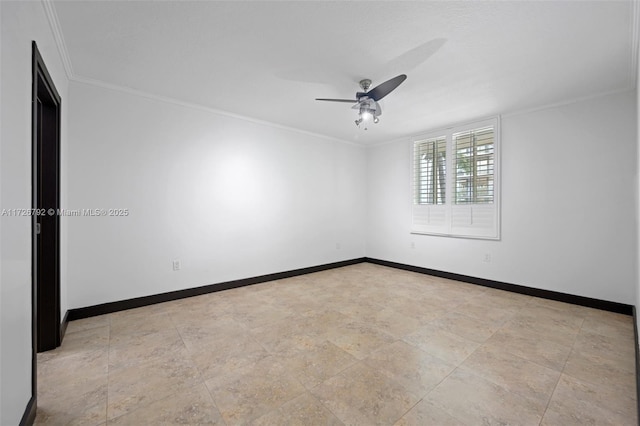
[41, 80]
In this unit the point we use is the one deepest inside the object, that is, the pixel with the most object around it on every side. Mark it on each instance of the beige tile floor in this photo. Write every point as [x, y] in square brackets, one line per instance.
[360, 345]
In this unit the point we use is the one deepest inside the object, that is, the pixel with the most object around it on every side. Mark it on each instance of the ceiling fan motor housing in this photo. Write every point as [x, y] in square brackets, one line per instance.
[365, 84]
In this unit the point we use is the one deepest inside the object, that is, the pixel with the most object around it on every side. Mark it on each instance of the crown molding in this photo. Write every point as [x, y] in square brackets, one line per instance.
[200, 107]
[568, 101]
[56, 30]
[635, 41]
[54, 23]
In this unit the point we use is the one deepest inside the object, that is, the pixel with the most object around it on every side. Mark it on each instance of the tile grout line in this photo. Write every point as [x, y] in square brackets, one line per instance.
[448, 375]
[274, 354]
[529, 303]
[562, 371]
[306, 390]
[457, 365]
[339, 373]
[322, 403]
[202, 379]
[532, 301]
[434, 386]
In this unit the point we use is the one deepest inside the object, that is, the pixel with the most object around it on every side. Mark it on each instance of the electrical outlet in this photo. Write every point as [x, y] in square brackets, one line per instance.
[487, 257]
[176, 265]
[412, 245]
[338, 246]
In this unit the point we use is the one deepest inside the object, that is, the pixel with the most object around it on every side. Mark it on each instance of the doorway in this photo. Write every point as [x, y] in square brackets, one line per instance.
[45, 207]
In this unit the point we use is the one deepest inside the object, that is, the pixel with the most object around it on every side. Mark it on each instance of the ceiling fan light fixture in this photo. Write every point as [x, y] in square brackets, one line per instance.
[367, 102]
[367, 114]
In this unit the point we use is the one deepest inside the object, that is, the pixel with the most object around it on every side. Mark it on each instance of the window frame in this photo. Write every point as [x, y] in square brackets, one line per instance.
[444, 219]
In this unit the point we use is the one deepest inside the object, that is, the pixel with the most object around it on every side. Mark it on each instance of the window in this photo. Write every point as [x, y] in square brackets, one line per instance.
[430, 158]
[455, 181]
[474, 166]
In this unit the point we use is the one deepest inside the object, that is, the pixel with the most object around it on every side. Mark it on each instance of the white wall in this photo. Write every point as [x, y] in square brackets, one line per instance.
[21, 23]
[568, 204]
[228, 197]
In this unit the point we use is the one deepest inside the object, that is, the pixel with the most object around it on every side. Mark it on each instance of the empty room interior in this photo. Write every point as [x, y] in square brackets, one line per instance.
[319, 213]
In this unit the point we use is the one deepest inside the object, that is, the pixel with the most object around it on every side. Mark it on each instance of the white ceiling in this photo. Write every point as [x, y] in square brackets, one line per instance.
[269, 60]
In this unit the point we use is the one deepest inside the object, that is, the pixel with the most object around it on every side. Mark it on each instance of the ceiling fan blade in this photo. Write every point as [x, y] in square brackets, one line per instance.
[351, 101]
[385, 88]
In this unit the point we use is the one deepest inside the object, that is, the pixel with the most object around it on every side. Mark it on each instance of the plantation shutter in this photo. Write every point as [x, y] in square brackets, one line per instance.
[455, 182]
[429, 185]
[473, 212]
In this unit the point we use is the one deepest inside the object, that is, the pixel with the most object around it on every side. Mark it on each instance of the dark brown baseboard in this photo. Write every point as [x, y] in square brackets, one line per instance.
[63, 326]
[635, 336]
[121, 305]
[138, 302]
[605, 305]
[29, 416]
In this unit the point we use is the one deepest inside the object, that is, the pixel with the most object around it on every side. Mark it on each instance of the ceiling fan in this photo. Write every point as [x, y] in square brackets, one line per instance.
[366, 102]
